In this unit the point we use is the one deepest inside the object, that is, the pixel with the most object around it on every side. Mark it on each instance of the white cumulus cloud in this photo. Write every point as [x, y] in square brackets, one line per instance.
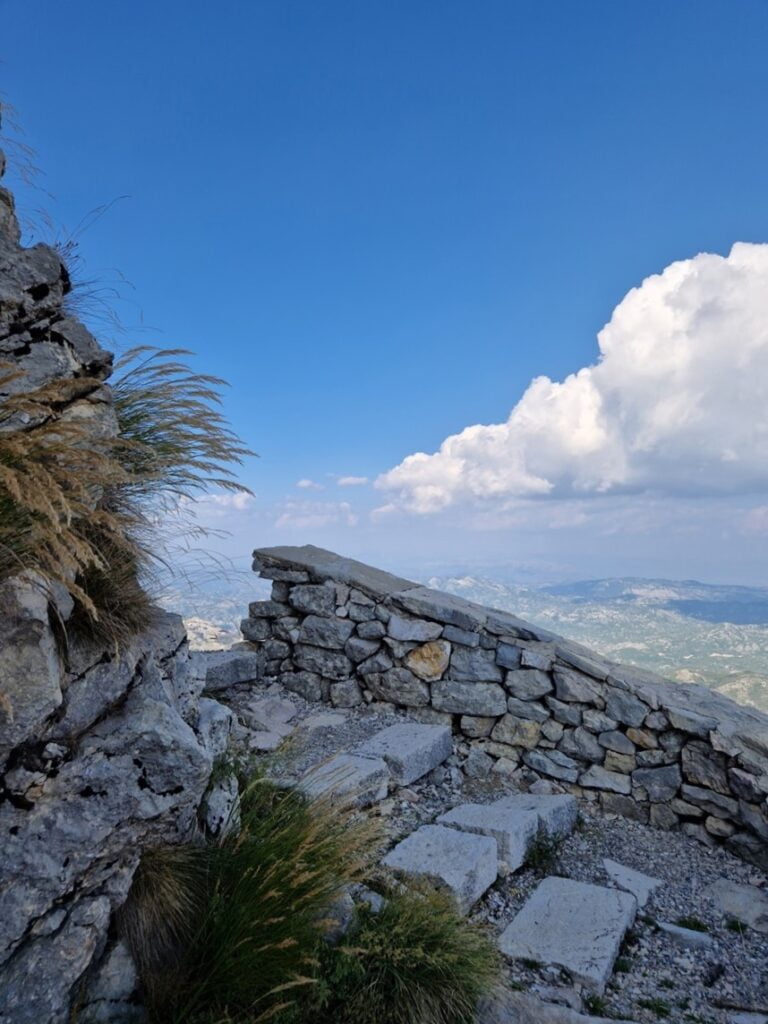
[309, 485]
[676, 404]
[352, 481]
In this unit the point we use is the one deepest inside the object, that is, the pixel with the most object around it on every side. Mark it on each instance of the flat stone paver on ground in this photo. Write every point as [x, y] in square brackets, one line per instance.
[464, 863]
[572, 925]
[514, 830]
[525, 1008]
[410, 749]
[641, 886]
[744, 903]
[365, 780]
[557, 814]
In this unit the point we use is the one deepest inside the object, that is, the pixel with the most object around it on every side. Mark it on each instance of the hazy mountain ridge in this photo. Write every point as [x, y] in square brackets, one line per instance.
[630, 620]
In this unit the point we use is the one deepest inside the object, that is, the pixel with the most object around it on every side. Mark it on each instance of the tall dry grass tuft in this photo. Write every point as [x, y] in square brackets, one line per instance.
[90, 511]
[267, 892]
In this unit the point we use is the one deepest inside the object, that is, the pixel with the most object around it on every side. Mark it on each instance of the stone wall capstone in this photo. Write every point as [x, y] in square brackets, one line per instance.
[668, 754]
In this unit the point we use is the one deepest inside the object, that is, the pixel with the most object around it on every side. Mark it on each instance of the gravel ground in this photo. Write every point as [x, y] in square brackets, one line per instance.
[675, 984]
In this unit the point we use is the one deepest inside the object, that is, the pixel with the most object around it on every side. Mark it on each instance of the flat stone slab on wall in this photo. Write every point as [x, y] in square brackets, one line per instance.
[572, 925]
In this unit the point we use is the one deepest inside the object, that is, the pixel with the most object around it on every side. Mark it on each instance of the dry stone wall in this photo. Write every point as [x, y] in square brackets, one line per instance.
[534, 704]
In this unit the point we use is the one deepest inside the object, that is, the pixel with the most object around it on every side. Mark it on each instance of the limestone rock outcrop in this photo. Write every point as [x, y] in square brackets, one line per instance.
[103, 753]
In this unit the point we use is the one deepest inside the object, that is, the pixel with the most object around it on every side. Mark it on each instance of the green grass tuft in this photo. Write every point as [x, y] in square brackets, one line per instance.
[417, 959]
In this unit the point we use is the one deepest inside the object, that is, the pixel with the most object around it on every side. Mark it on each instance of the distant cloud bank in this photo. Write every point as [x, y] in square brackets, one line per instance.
[677, 404]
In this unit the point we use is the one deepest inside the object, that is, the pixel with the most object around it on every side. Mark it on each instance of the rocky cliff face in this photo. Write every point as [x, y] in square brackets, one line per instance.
[102, 752]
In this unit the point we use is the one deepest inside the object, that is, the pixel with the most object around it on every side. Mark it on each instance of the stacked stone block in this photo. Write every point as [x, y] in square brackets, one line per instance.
[672, 755]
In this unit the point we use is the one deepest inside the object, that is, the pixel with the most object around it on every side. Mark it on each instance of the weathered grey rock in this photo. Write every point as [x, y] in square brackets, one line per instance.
[379, 662]
[357, 649]
[330, 664]
[313, 599]
[617, 741]
[581, 744]
[224, 669]
[703, 766]
[475, 665]
[641, 886]
[550, 730]
[686, 937]
[256, 630]
[713, 803]
[517, 732]
[507, 1007]
[307, 684]
[571, 686]
[478, 764]
[599, 778]
[574, 926]
[410, 749]
[538, 655]
[399, 686]
[624, 806]
[30, 666]
[111, 993]
[513, 829]
[556, 814]
[320, 631]
[566, 714]
[747, 786]
[597, 721]
[401, 627]
[743, 903]
[529, 709]
[373, 630]
[136, 780]
[508, 655]
[348, 778]
[267, 610]
[461, 636]
[219, 810]
[484, 699]
[660, 784]
[528, 683]
[690, 721]
[322, 564]
[624, 763]
[444, 608]
[346, 694]
[476, 727]
[429, 661]
[625, 707]
[463, 863]
[270, 713]
[552, 763]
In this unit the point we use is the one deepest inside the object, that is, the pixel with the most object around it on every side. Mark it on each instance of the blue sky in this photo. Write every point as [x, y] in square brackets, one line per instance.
[381, 220]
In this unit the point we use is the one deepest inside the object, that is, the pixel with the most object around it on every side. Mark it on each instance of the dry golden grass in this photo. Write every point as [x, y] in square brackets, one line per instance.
[259, 912]
[87, 511]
